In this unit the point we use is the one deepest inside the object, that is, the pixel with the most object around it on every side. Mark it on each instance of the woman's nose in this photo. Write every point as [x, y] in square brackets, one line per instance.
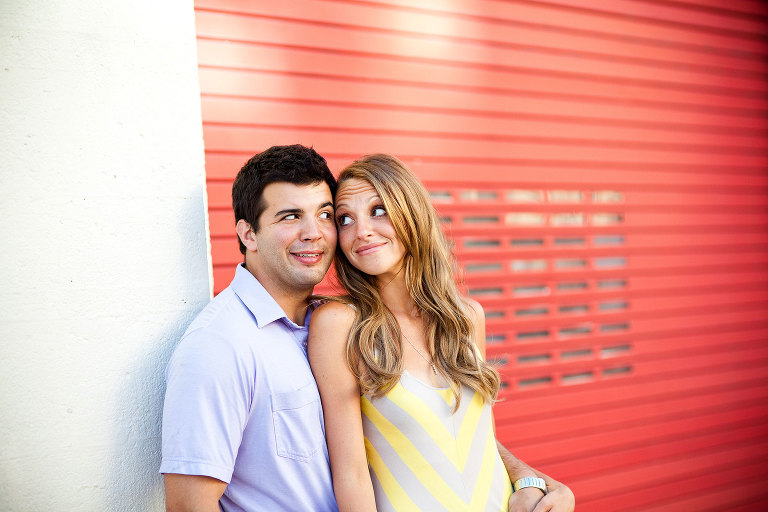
[363, 228]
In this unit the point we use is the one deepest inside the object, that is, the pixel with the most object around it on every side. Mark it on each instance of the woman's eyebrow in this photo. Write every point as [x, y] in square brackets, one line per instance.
[373, 197]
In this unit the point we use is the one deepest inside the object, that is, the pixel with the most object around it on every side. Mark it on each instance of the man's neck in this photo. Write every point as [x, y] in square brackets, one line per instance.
[293, 303]
[296, 311]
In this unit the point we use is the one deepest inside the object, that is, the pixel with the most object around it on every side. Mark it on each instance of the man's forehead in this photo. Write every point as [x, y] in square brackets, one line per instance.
[282, 194]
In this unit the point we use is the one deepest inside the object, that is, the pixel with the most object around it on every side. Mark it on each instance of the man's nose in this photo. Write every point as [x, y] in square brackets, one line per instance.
[310, 229]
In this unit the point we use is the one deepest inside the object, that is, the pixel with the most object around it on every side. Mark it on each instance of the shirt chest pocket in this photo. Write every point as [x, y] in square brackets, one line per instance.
[298, 423]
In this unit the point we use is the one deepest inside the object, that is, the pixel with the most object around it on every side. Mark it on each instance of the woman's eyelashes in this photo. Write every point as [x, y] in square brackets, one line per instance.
[345, 219]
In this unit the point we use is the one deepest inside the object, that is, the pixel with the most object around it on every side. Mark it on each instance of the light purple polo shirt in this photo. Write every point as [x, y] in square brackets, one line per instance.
[241, 405]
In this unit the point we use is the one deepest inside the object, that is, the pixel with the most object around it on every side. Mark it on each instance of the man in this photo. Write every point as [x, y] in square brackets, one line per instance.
[242, 424]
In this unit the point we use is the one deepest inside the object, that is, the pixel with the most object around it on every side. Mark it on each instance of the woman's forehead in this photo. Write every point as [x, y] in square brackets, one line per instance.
[354, 187]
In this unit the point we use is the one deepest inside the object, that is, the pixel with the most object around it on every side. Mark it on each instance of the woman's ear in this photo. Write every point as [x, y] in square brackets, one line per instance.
[246, 234]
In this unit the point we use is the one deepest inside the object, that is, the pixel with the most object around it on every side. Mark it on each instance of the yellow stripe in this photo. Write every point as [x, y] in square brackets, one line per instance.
[468, 428]
[468, 425]
[507, 490]
[421, 412]
[411, 456]
[485, 475]
[447, 395]
[395, 493]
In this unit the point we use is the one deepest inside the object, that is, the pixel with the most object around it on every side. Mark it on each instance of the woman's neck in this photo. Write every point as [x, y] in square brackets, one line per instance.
[394, 293]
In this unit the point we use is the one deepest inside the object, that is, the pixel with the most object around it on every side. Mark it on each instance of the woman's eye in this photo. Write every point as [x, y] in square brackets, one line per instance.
[343, 220]
[379, 211]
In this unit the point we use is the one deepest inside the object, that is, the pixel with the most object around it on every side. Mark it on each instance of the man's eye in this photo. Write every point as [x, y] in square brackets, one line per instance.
[326, 215]
[379, 211]
[291, 216]
[343, 220]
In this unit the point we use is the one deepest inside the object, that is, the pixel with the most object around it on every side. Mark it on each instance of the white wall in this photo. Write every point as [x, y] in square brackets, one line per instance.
[103, 244]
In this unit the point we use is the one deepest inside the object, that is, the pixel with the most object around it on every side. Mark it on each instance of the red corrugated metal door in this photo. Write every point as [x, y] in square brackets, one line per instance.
[601, 167]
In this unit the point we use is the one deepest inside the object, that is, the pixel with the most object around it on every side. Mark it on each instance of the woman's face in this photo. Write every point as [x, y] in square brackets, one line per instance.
[366, 234]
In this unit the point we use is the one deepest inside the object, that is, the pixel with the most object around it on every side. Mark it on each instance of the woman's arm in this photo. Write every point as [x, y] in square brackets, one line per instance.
[559, 497]
[340, 395]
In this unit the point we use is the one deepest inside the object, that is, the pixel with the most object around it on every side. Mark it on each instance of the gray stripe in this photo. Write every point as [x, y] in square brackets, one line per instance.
[382, 502]
[402, 473]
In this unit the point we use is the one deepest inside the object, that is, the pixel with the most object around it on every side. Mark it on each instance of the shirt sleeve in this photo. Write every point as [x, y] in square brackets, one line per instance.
[207, 404]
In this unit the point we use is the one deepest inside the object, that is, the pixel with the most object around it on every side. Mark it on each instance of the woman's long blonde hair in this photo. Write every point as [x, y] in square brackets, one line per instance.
[374, 346]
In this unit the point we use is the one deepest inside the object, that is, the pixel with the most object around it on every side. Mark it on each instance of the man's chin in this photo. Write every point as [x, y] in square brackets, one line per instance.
[313, 278]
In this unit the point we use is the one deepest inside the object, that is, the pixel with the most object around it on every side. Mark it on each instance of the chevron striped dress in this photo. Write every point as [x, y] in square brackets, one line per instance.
[422, 457]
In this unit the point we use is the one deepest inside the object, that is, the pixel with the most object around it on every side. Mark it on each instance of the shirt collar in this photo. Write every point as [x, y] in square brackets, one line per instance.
[257, 299]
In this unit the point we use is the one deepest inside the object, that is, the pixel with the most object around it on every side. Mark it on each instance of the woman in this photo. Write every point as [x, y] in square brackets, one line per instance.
[404, 353]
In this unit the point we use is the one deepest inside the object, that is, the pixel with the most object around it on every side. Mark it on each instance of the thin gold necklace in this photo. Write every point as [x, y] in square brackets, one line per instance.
[431, 363]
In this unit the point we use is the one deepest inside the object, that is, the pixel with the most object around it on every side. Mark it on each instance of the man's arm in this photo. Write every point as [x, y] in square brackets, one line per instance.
[192, 493]
[559, 497]
[204, 414]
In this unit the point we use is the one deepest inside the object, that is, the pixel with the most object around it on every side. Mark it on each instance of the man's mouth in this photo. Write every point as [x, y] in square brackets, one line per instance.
[308, 257]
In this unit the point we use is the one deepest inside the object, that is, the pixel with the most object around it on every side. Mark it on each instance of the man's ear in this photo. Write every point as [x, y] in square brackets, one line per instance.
[246, 235]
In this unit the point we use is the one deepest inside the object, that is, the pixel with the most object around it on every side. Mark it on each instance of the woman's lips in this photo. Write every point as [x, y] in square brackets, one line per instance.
[368, 248]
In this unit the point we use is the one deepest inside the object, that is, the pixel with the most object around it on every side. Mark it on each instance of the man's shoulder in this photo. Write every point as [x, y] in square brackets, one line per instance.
[223, 321]
[224, 311]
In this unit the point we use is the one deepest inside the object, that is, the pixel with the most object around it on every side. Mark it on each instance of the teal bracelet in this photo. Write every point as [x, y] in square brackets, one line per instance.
[530, 481]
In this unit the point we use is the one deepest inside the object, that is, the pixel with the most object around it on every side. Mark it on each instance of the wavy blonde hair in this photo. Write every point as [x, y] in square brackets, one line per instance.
[374, 346]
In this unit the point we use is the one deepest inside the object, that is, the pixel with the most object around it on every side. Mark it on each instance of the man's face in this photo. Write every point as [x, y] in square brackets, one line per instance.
[296, 239]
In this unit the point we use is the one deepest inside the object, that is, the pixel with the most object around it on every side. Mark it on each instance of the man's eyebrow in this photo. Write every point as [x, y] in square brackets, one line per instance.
[295, 211]
[288, 211]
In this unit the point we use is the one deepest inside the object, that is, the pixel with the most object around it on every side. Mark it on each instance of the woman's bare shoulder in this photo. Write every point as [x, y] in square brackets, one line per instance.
[331, 321]
[473, 308]
[332, 311]
[329, 329]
